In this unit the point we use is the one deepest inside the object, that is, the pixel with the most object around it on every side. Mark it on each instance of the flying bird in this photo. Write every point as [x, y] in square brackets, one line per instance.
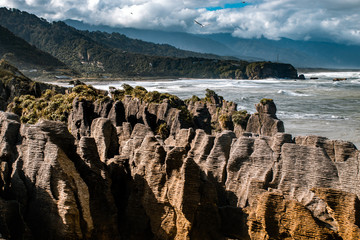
[201, 25]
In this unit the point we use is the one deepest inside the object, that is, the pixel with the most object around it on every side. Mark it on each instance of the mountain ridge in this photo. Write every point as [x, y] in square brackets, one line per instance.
[94, 53]
[192, 42]
[25, 56]
[298, 53]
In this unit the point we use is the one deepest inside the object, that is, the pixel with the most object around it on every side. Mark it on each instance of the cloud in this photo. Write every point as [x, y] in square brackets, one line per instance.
[331, 20]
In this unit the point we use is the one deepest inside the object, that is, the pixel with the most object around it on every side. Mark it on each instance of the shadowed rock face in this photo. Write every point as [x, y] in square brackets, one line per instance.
[14, 84]
[113, 177]
[259, 70]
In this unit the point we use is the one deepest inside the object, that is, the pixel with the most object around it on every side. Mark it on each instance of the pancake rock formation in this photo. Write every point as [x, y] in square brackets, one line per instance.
[114, 175]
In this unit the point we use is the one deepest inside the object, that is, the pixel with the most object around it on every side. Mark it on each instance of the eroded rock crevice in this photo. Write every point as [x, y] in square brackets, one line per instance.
[115, 176]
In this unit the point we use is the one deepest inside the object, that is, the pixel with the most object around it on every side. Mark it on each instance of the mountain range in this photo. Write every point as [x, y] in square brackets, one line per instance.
[102, 54]
[26, 56]
[296, 52]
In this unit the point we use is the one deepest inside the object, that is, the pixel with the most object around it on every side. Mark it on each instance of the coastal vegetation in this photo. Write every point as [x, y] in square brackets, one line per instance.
[52, 105]
[142, 94]
[266, 100]
[240, 118]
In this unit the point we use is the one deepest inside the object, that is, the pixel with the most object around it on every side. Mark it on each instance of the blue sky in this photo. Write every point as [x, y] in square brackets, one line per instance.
[329, 20]
[228, 5]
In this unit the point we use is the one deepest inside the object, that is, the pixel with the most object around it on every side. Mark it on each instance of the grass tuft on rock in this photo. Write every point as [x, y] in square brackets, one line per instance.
[240, 118]
[149, 97]
[51, 105]
[264, 101]
[163, 130]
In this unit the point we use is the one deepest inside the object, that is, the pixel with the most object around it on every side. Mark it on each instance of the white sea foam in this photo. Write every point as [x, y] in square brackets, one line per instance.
[309, 116]
[331, 75]
[356, 81]
[291, 93]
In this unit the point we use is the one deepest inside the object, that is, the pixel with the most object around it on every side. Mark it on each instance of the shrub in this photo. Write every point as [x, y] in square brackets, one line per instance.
[240, 118]
[162, 130]
[117, 94]
[152, 97]
[185, 116]
[225, 121]
[128, 89]
[139, 92]
[211, 94]
[223, 118]
[266, 100]
[52, 106]
[194, 98]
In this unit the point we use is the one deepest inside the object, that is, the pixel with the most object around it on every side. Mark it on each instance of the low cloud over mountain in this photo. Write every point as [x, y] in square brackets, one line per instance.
[326, 20]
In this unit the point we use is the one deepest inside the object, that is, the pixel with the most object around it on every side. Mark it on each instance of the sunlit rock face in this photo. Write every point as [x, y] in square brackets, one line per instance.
[115, 176]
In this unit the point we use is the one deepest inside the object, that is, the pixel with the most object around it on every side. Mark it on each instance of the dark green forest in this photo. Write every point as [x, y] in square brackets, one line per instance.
[17, 50]
[122, 42]
[98, 53]
[89, 54]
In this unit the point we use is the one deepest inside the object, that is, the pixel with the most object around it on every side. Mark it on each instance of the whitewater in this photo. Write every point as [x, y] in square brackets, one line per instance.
[307, 107]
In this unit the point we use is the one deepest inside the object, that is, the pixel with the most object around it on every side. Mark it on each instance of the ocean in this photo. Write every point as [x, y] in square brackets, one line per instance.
[307, 107]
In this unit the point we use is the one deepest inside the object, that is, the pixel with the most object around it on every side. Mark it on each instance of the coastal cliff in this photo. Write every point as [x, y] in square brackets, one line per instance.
[109, 171]
[261, 70]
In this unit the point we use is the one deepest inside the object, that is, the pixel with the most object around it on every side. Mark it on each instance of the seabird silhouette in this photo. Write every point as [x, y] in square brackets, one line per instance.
[201, 25]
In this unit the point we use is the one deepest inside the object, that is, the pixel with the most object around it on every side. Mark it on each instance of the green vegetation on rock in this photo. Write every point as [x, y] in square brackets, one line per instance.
[210, 95]
[266, 100]
[240, 118]
[194, 98]
[223, 120]
[261, 70]
[149, 97]
[153, 97]
[163, 130]
[51, 105]
[185, 115]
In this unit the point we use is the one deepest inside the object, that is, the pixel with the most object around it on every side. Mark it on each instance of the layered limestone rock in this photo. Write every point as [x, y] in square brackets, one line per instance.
[265, 122]
[274, 217]
[55, 189]
[212, 114]
[114, 176]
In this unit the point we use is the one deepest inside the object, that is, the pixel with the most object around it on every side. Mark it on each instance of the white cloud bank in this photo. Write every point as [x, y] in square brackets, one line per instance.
[331, 20]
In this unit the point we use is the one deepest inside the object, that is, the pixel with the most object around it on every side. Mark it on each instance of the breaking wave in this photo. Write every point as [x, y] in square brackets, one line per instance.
[291, 93]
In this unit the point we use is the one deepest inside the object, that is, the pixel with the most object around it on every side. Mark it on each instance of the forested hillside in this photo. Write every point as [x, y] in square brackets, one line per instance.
[23, 55]
[120, 41]
[97, 53]
[88, 53]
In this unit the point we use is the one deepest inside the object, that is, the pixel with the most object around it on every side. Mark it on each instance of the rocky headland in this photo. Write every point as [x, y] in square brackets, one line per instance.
[145, 165]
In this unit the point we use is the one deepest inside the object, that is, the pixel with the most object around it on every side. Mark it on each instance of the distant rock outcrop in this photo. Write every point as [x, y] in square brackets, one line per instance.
[260, 70]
